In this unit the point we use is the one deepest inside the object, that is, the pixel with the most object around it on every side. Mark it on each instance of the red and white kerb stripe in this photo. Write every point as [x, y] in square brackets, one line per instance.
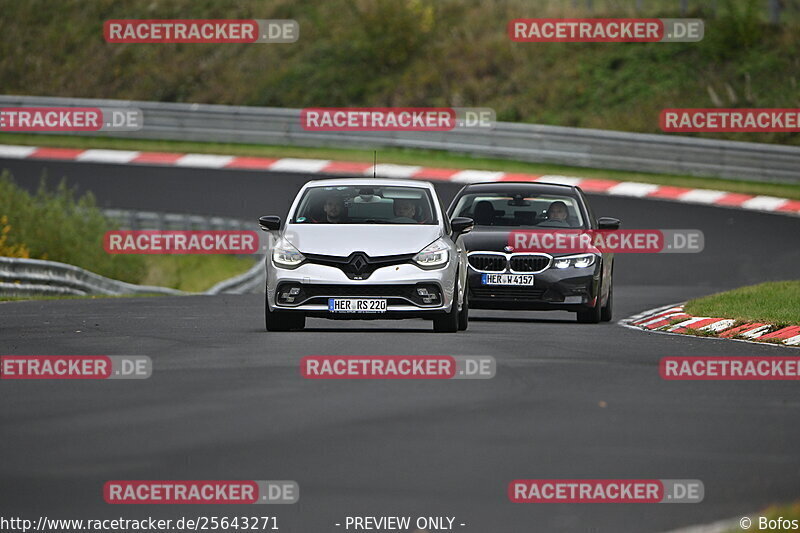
[328, 167]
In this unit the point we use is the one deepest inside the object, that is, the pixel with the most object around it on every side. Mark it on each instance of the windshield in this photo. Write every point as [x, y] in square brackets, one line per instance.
[520, 210]
[365, 205]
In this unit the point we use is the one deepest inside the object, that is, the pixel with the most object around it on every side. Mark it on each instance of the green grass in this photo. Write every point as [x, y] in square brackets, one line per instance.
[56, 224]
[73, 234]
[773, 302]
[193, 273]
[415, 53]
[190, 273]
[403, 157]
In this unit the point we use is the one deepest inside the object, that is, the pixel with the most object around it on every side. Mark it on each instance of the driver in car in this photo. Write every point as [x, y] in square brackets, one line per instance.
[335, 210]
[557, 211]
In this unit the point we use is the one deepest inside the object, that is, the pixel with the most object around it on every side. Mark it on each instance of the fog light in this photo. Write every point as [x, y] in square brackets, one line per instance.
[289, 293]
[429, 295]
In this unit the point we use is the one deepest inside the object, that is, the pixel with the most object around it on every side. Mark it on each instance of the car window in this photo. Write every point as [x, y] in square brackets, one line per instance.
[365, 204]
[521, 210]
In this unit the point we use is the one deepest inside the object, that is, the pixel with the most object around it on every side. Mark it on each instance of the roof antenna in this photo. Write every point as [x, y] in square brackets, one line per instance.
[375, 165]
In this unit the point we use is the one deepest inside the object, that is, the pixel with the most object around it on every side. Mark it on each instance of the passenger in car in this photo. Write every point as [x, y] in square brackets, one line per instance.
[484, 213]
[405, 209]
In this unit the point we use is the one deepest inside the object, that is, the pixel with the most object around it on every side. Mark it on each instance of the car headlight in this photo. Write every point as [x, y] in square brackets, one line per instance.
[561, 262]
[434, 255]
[577, 261]
[285, 255]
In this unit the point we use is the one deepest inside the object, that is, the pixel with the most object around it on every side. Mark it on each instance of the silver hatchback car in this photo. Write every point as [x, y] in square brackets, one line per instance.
[366, 249]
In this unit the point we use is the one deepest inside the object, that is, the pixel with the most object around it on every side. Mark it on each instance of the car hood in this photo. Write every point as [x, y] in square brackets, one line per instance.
[488, 239]
[374, 240]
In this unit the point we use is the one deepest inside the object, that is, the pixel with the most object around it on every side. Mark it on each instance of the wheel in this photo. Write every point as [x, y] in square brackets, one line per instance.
[607, 311]
[282, 320]
[448, 322]
[590, 315]
[463, 315]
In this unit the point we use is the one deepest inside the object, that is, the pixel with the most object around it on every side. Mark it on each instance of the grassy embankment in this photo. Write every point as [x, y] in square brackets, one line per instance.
[415, 53]
[776, 302]
[56, 225]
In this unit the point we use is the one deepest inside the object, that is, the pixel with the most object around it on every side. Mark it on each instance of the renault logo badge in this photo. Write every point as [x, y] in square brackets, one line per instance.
[358, 263]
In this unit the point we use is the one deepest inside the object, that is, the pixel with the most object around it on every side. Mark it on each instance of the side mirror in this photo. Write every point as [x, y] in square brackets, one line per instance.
[608, 223]
[270, 223]
[461, 225]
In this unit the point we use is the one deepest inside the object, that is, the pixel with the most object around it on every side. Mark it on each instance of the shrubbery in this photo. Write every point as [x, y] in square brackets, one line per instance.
[57, 225]
[416, 53]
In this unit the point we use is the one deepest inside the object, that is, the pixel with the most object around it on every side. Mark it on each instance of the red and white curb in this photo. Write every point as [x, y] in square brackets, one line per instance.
[768, 204]
[673, 319]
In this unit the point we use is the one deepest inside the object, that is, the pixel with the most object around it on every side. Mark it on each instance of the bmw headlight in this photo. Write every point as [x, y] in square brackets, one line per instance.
[561, 262]
[577, 261]
[435, 255]
[285, 255]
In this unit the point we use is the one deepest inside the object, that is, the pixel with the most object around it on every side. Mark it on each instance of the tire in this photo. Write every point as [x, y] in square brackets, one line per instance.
[448, 322]
[282, 320]
[607, 312]
[463, 315]
[590, 315]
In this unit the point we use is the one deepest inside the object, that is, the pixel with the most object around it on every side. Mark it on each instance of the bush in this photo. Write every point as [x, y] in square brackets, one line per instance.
[58, 226]
[7, 249]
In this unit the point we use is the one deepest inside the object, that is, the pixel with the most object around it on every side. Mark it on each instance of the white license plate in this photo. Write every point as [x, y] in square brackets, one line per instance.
[507, 279]
[356, 305]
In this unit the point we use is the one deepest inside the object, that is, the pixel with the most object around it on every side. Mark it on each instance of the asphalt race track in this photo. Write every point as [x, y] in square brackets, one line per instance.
[226, 400]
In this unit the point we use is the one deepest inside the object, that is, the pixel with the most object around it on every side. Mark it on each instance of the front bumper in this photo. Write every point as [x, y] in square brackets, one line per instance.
[568, 289]
[398, 284]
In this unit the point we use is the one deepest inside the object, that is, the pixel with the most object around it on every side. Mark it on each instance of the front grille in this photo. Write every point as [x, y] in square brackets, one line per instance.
[395, 294]
[358, 265]
[488, 262]
[529, 263]
[507, 293]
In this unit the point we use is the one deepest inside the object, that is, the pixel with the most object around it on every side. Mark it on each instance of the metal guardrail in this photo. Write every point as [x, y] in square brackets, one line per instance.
[144, 220]
[27, 277]
[524, 142]
[253, 280]
[24, 277]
